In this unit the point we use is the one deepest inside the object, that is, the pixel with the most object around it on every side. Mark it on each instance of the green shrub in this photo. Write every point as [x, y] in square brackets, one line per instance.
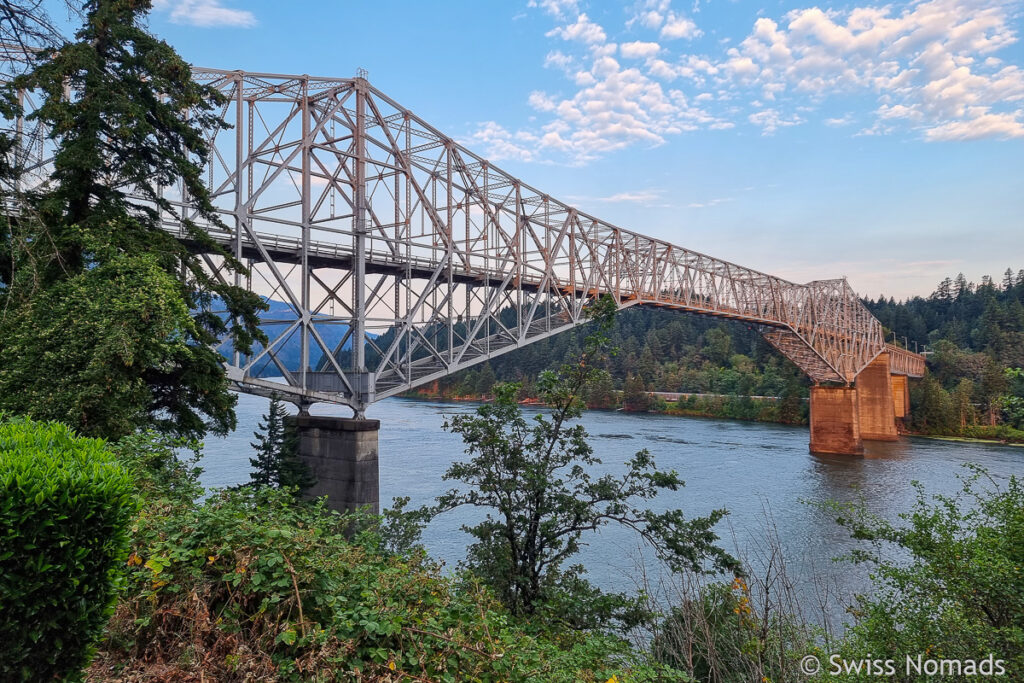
[949, 578]
[65, 508]
[152, 459]
[251, 585]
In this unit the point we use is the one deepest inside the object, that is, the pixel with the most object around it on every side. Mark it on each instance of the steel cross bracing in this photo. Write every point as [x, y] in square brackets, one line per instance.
[402, 256]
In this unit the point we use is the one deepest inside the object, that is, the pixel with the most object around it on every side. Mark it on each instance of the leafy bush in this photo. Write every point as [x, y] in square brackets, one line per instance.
[960, 592]
[251, 585]
[154, 462]
[65, 508]
[535, 479]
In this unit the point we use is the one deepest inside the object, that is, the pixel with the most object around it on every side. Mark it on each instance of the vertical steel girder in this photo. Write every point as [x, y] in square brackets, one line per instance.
[394, 256]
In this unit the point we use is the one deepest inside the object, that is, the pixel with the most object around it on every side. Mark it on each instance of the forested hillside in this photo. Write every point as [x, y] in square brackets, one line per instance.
[665, 351]
[975, 339]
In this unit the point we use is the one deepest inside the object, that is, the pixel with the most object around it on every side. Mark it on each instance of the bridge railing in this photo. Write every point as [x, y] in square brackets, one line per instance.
[904, 362]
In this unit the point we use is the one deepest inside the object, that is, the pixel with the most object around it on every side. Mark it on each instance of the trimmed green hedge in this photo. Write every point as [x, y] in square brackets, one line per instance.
[65, 509]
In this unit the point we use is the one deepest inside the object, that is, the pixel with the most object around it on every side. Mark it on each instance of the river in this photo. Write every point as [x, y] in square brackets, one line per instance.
[762, 473]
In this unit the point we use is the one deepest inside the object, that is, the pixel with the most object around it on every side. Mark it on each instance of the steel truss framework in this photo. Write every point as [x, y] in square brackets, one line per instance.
[404, 257]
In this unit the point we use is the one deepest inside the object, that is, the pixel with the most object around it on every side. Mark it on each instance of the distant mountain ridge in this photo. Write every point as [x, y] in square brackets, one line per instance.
[288, 351]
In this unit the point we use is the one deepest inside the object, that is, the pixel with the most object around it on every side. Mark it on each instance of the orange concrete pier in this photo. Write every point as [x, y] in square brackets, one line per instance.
[875, 402]
[872, 409]
[835, 421]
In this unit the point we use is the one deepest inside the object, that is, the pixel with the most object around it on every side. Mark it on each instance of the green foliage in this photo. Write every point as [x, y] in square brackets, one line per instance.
[65, 509]
[635, 394]
[122, 129]
[976, 334]
[154, 461]
[1013, 401]
[534, 477]
[277, 460]
[1003, 433]
[959, 593]
[250, 585]
[933, 409]
[81, 351]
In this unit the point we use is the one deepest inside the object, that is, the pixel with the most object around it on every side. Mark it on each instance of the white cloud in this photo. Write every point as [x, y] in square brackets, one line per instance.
[503, 144]
[205, 13]
[631, 196]
[770, 120]
[981, 126]
[677, 26]
[839, 122]
[612, 108]
[659, 68]
[897, 111]
[556, 8]
[639, 196]
[617, 108]
[639, 50]
[584, 31]
[559, 60]
[649, 13]
[927, 67]
[709, 203]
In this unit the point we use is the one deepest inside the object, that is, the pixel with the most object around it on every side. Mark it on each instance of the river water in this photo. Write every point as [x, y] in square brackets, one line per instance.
[762, 473]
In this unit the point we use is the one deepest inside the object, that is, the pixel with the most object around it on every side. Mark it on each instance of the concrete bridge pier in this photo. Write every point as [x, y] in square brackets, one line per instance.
[835, 421]
[900, 398]
[843, 417]
[342, 454]
[875, 401]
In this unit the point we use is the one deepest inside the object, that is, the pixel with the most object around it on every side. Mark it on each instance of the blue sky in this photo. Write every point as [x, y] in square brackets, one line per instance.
[884, 142]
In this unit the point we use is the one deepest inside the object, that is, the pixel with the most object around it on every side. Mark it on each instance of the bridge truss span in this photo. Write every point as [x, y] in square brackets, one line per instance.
[400, 256]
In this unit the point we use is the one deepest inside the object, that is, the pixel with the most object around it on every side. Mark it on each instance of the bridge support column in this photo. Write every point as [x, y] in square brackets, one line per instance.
[900, 396]
[342, 454]
[875, 401]
[835, 421]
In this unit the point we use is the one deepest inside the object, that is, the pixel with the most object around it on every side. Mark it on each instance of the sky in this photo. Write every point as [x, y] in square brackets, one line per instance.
[881, 142]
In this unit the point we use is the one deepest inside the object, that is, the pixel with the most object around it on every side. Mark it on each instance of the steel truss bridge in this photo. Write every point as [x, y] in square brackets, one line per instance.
[403, 257]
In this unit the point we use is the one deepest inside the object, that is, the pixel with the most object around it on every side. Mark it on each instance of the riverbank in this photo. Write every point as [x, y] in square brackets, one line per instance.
[767, 409]
[1006, 436]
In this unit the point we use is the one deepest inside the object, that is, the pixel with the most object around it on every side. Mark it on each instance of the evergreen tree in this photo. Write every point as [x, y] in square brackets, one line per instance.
[960, 286]
[134, 123]
[634, 394]
[485, 380]
[934, 412]
[277, 463]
